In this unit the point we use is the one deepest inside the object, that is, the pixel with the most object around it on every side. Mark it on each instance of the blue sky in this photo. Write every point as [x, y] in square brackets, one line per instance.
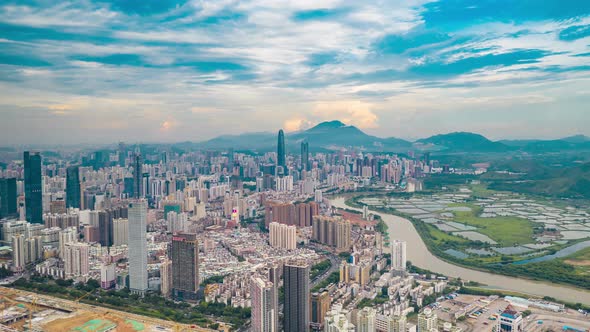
[177, 70]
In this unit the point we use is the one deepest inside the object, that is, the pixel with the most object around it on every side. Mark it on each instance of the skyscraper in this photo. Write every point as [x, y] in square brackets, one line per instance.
[305, 156]
[281, 150]
[264, 310]
[8, 205]
[398, 255]
[137, 176]
[138, 278]
[297, 297]
[73, 195]
[33, 188]
[185, 267]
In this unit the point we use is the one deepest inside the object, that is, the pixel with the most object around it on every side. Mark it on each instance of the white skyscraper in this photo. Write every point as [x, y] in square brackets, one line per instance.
[398, 255]
[138, 275]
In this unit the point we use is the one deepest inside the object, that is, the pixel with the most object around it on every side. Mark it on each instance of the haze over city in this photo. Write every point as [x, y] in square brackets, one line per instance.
[295, 166]
[102, 71]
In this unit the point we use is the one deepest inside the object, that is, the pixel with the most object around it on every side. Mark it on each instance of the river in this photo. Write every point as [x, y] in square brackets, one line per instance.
[402, 229]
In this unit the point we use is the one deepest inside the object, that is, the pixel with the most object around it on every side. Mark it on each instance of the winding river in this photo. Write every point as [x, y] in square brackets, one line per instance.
[402, 229]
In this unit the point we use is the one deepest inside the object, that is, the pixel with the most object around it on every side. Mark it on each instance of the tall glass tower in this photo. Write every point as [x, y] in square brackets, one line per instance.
[73, 187]
[305, 156]
[297, 296]
[281, 149]
[33, 188]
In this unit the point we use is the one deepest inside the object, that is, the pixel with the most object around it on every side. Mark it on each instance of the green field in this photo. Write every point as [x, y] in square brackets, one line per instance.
[581, 261]
[507, 231]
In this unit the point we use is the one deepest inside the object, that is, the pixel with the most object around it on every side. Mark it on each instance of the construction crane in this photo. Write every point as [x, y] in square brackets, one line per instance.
[31, 308]
[83, 296]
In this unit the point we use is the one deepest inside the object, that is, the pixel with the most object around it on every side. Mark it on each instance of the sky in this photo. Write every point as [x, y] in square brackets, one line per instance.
[187, 70]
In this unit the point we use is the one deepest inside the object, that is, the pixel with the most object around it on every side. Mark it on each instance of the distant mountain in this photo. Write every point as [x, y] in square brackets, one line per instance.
[576, 139]
[461, 142]
[328, 135]
[335, 134]
[572, 182]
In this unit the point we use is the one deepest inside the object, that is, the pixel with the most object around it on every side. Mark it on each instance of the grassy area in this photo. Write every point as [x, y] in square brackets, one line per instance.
[507, 231]
[441, 238]
[580, 261]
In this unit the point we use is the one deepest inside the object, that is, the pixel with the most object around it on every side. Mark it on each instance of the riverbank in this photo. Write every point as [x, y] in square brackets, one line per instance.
[539, 268]
[418, 252]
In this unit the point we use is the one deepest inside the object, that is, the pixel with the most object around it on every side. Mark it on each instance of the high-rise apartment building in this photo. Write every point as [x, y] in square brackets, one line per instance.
[8, 206]
[166, 278]
[66, 236]
[138, 275]
[282, 236]
[264, 309]
[33, 188]
[297, 297]
[18, 252]
[427, 320]
[398, 255]
[365, 319]
[185, 266]
[76, 260]
[320, 304]
[332, 231]
[391, 323]
[120, 231]
[73, 194]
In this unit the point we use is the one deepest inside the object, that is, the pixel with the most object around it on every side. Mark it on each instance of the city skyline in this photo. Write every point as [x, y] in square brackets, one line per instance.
[89, 71]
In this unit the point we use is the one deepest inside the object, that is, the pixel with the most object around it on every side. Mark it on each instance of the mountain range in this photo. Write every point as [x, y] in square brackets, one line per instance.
[335, 135]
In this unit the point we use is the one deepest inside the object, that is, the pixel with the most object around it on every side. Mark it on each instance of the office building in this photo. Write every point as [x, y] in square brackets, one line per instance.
[297, 297]
[33, 188]
[332, 231]
[137, 176]
[73, 194]
[281, 151]
[185, 267]
[305, 156]
[398, 255]
[138, 275]
[120, 231]
[264, 309]
[427, 320]
[320, 304]
[8, 206]
[510, 320]
[282, 236]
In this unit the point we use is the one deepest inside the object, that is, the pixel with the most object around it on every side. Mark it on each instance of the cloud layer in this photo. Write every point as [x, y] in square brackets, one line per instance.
[175, 70]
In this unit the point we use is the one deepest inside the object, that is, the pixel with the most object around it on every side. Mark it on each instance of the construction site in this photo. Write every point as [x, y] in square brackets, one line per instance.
[26, 311]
